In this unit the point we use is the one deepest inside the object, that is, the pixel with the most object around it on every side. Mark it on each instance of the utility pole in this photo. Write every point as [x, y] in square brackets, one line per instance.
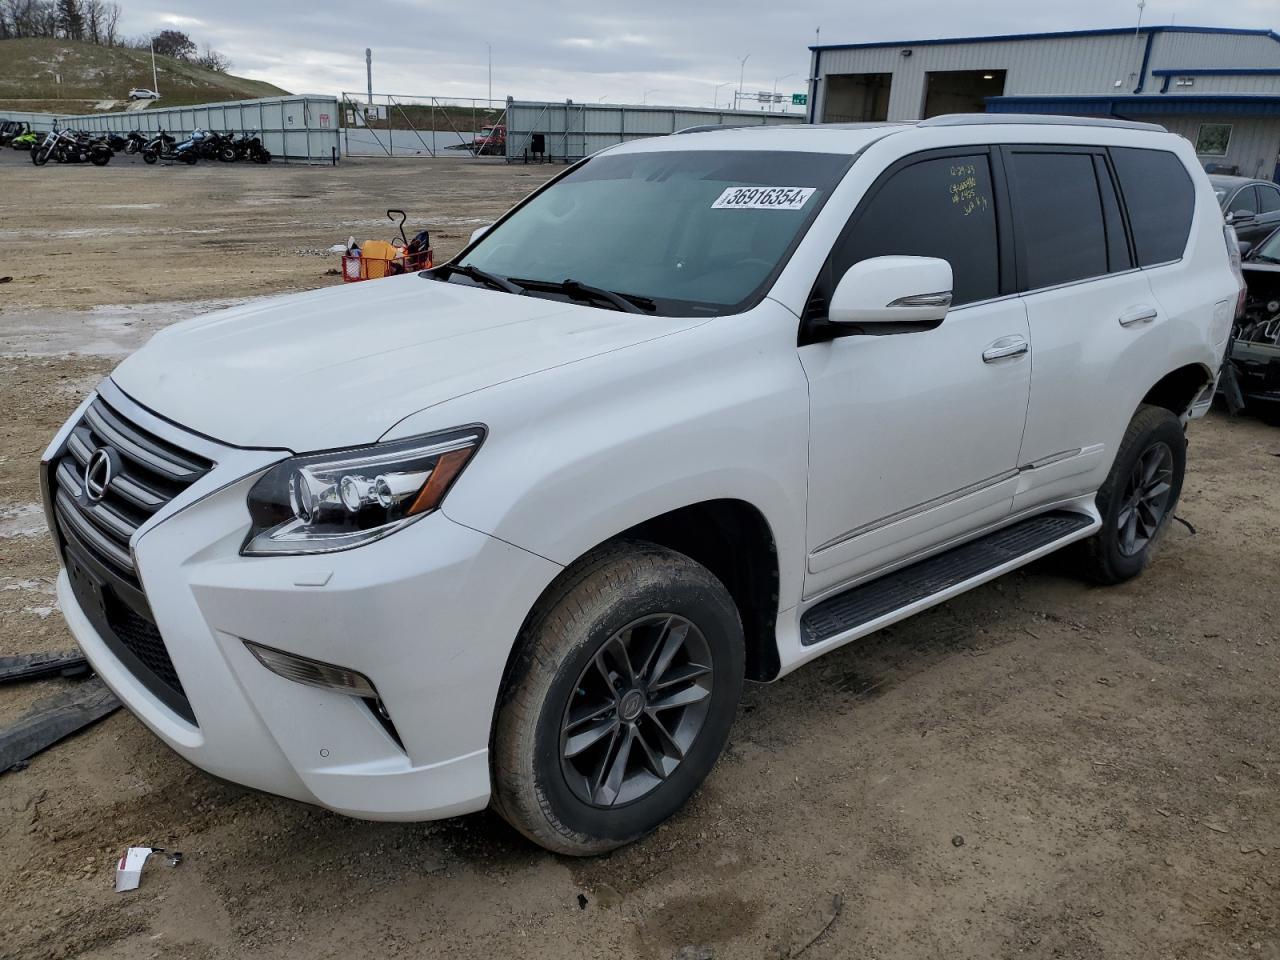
[155, 80]
[368, 71]
[742, 69]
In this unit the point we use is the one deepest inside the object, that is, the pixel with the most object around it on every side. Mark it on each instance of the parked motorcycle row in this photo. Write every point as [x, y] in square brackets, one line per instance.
[71, 146]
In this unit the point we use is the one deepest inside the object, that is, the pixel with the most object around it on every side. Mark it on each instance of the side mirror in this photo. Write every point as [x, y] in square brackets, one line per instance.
[479, 232]
[1245, 246]
[1241, 217]
[893, 290]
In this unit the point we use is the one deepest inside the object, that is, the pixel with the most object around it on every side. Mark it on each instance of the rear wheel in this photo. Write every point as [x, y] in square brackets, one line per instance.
[149, 156]
[620, 700]
[100, 158]
[1138, 497]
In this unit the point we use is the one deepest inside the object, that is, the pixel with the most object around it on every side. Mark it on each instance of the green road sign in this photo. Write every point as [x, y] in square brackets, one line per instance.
[799, 99]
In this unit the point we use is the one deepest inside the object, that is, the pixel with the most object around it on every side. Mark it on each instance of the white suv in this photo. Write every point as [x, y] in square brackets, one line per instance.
[515, 530]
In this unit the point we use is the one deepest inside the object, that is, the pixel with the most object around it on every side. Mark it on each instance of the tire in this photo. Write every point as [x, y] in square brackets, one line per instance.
[227, 154]
[39, 157]
[187, 156]
[638, 597]
[1154, 449]
[264, 156]
[100, 159]
[149, 156]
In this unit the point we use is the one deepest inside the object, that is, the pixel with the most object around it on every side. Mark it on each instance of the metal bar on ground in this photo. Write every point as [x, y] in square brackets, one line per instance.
[31, 666]
[53, 719]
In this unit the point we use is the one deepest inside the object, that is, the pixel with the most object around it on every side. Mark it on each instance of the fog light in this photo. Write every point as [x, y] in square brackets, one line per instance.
[313, 673]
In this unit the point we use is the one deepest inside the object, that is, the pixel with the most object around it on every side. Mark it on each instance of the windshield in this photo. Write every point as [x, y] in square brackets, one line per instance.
[695, 232]
[1269, 249]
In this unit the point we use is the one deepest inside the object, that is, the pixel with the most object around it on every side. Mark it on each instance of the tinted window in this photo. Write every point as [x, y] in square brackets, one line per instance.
[1160, 199]
[1244, 201]
[1057, 212]
[935, 208]
[1268, 199]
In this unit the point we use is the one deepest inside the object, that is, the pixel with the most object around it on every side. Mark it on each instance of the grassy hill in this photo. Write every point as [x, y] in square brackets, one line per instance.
[65, 76]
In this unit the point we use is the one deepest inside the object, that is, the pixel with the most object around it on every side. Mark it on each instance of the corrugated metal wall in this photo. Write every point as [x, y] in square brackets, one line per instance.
[299, 127]
[1254, 146]
[575, 130]
[1064, 66]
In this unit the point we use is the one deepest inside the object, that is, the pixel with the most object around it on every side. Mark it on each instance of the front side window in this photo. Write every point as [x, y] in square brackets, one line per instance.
[1213, 139]
[696, 232]
[1058, 216]
[1268, 199]
[1245, 201]
[942, 208]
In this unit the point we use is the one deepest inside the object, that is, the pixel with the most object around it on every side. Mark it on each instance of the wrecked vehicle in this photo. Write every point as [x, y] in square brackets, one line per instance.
[515, 530]
[1251, 375]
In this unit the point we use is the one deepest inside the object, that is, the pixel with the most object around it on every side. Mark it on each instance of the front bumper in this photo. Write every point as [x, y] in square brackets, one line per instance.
[428, 614]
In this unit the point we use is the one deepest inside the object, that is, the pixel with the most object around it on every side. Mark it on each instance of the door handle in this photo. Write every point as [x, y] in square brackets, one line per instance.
[1134, 315]
[1004, 348]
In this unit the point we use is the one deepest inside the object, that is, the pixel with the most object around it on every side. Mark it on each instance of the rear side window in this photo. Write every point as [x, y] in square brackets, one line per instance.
[941, 208]
[1058, 215]
[1268, 199]
[1160, 199]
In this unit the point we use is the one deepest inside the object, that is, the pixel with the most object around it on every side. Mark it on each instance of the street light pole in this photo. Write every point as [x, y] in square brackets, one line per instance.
[742, 69]
[155, 80]
[645, 97]
[775, 88]
[715, 98]
[490, 46]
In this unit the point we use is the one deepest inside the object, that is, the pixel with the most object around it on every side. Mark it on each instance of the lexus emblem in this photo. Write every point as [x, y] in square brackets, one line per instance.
[98, 473]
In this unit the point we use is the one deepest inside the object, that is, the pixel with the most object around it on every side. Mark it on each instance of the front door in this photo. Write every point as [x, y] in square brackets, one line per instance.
[914, 437]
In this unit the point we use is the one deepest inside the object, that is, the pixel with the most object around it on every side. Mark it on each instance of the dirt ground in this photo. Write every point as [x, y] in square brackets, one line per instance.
[1037, 769]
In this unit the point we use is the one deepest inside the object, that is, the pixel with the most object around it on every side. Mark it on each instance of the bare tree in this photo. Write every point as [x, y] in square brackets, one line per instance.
[110, 24]
[213, 60]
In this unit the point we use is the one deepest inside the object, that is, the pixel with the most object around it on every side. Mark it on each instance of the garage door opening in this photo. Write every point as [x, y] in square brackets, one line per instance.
[961, 91]
[856, 98]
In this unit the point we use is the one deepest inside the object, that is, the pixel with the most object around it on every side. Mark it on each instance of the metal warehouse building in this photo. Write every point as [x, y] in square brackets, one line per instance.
[1218, 87]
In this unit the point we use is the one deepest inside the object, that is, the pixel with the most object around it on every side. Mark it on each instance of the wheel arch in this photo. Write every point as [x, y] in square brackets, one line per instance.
[729, 537]
[1177, 389]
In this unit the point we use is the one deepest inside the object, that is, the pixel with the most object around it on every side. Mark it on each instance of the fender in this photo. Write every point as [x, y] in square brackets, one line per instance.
[670, 422]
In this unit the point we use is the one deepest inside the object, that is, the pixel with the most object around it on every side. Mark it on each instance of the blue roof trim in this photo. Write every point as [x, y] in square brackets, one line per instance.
[1234, 105]
[1060, 35]
[1219, 72]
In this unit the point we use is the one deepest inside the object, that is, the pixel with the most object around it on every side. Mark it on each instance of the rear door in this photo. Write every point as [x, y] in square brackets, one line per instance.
[1097, 330]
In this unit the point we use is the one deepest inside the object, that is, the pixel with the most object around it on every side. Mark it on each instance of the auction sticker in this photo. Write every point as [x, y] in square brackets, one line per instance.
[763, 198]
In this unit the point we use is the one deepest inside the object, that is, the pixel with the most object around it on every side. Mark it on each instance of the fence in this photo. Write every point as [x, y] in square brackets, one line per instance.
[401, 125]
[571, 130]
[40, 122]
[296, 128]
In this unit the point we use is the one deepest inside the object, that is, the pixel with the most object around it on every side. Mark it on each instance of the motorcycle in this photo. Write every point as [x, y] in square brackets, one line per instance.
[203, 144]
[65, 146]
[161, 145]
[12, 128]
[249, 147]
[27, 141]
[134, 142]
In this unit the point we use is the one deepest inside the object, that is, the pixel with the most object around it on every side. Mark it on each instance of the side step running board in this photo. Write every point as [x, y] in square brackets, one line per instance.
[868, 602]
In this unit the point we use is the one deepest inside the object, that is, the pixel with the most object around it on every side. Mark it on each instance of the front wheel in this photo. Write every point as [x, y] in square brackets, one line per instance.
[39, 157]
[619, 701]
[1138, 497]
[149, 156]
[100, 158]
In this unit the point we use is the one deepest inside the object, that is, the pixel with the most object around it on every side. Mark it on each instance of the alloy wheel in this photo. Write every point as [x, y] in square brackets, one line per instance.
[1145, 500]
[636, 710]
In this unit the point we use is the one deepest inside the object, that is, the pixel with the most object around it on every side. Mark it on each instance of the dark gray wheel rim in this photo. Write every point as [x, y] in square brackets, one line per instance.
[636, 710]
[1146, 499]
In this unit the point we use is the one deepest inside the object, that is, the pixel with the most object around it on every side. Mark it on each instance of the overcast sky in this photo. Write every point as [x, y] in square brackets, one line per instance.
[660, 50]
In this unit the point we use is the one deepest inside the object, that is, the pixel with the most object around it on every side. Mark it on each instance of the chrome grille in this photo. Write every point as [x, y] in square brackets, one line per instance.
[151, 472]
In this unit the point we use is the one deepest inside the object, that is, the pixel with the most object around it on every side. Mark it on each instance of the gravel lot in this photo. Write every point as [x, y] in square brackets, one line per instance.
[1037, 769]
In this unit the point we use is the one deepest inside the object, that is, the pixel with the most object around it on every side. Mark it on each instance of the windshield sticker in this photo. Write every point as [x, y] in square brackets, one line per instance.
[763, 198]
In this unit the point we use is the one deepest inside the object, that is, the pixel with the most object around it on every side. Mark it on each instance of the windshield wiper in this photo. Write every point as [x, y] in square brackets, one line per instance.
[626, 302]
[1264, 258]
[479, 276]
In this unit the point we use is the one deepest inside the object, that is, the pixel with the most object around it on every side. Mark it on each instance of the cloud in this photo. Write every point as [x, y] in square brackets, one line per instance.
[589, 49]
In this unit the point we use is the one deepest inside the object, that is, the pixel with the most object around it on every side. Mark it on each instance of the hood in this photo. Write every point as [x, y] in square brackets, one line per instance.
[340, 366]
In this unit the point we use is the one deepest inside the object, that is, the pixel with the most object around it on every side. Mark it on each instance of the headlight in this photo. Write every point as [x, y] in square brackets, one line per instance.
[335, 501]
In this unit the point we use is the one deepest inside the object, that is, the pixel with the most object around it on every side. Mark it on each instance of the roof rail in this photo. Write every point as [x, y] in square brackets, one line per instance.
[982, 119]
[709, 127]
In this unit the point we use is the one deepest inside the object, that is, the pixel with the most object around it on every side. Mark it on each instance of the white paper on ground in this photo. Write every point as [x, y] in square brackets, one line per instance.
[129, 869]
